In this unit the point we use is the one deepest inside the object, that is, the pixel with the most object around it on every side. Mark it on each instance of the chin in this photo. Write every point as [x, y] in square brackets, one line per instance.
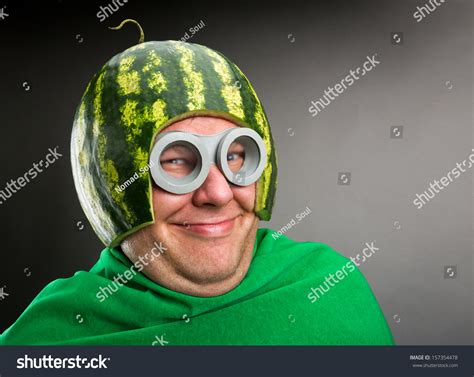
[211, 276]
[210, 264]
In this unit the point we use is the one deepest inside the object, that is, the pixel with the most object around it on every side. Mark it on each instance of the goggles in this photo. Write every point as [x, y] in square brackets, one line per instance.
[180, 161]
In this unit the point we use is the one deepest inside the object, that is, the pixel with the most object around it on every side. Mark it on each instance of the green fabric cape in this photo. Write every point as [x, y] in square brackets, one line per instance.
[269, 307]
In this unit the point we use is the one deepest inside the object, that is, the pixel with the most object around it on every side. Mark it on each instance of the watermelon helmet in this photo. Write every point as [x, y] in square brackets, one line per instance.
[128, 102]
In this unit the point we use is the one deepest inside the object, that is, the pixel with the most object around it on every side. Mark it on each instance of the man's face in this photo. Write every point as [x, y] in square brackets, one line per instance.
[209, 233]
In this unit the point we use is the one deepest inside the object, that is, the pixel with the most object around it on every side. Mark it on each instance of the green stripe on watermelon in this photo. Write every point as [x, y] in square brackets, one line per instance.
[192, 78]
[213, 86]
[229, 91]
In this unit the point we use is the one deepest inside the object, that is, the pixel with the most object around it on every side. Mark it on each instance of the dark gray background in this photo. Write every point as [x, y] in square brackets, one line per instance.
[291, 52]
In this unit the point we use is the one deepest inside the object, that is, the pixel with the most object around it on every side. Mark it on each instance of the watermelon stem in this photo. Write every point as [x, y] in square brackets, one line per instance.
[142, 34]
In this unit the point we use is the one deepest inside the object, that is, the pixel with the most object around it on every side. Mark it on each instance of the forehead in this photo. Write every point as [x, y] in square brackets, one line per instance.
[202, 125]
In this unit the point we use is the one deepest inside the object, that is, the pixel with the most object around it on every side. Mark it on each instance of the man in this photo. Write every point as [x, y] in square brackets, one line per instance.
[174, 165]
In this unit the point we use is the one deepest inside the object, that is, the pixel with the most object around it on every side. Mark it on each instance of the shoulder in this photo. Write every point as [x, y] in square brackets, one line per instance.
[331, 285]
[309, 262]
[319, 256]
[316, 261]
[58, 308]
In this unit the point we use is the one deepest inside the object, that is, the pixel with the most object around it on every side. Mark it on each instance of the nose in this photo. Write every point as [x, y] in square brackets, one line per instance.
[215, 190]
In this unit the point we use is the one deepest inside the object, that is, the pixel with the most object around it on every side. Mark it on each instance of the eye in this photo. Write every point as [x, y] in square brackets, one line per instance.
[174, 161]
[178, 160]
[234, 156]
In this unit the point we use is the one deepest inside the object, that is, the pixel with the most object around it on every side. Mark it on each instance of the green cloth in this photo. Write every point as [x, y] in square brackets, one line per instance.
[269, 307]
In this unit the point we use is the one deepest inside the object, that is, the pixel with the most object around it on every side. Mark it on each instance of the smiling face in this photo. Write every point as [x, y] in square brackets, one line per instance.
[209, 233]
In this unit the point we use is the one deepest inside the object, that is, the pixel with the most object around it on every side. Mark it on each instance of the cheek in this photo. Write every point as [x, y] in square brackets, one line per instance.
[245, 196]
[165, 204]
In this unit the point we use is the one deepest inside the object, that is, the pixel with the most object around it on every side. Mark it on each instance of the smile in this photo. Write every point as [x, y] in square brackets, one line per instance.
[218, 229]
